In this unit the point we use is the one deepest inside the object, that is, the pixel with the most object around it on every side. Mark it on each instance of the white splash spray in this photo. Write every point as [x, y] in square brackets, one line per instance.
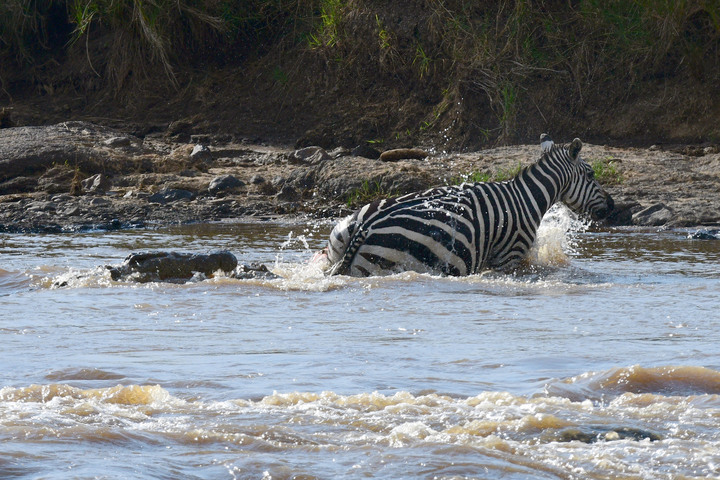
[556, 237]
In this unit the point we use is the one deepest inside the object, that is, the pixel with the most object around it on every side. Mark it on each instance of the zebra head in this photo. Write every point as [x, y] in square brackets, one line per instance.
[582, 192]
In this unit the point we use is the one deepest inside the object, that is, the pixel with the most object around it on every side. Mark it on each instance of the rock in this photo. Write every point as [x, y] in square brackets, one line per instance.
[172, 266]
[96, 184]
[70, 211]
[365, 152]
[257, 179]
[622, 213]
[63, 197]
[117, 142]
[18, 185]
[311, 155]
[224, 182]
[288, 194]
[592, 434]
[402, 154]
[41, 206]
[170, 195]
[254, 270]
[99, 202]
[303, 179]
[339, 152]
[201, 153]
[703, 234]
[27, 151]
[653, 216]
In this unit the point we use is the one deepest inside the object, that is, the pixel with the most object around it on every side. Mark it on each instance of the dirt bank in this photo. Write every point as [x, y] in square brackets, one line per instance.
[77, 175]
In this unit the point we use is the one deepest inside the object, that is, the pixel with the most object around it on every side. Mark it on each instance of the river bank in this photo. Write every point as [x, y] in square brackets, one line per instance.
[77, 176]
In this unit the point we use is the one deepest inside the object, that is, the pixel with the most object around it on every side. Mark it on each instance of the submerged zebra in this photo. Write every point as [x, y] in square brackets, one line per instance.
[464, 229]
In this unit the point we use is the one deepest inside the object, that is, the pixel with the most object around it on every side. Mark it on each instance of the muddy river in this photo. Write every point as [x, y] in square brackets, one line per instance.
[601, 361]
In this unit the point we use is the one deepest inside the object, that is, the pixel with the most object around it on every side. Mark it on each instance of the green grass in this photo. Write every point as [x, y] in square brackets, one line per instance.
[498, 175]
[606, 171]
[368, 192]
[327, 33]
[507, 173]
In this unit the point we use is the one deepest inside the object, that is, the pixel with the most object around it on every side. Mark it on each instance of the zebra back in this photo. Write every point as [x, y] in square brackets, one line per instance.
[463, 229]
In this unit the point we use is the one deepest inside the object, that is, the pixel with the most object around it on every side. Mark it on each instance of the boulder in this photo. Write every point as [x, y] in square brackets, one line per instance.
[311, 155]
[254, 270]
[288, 194]
[224, 182]
[172, 266]
[201, 153]
[96, 184]
[257, 179]
[622, 213]
[704, 234]
[654, 216]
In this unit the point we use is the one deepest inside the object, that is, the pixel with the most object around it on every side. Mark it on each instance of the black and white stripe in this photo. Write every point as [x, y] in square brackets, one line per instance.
[464, 229]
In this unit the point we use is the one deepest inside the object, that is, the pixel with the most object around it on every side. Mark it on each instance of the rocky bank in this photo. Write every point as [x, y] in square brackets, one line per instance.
[78, 176]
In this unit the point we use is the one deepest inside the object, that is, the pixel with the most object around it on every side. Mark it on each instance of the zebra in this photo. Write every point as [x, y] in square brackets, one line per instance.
[465, 229]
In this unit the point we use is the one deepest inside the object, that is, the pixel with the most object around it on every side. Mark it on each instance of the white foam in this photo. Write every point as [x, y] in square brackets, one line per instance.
[556, 237]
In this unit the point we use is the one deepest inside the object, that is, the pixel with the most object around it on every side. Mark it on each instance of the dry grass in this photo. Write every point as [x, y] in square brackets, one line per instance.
[455, 56]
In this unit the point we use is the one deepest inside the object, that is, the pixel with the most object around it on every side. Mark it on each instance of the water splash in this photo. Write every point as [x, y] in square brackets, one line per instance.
[557, 237]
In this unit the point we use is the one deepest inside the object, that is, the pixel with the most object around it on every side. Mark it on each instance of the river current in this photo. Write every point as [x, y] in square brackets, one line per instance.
[600, 361]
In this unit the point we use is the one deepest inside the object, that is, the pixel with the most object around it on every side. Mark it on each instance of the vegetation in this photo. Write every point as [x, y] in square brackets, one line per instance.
[606, 171]
[492, 71]
[368, 192]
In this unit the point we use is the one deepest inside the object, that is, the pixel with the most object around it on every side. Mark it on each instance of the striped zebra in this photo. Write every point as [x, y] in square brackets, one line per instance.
[464, 229]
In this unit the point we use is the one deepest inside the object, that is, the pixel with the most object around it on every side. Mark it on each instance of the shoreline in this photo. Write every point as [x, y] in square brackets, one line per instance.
[78, 176]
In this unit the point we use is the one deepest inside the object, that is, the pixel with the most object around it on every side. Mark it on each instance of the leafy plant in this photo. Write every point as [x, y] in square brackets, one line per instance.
[606, 171]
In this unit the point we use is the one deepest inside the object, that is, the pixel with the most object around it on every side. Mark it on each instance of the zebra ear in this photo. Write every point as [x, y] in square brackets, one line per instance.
[575, 148]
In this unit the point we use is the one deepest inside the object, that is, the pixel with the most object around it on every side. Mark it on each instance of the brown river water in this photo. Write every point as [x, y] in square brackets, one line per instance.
[602, 361]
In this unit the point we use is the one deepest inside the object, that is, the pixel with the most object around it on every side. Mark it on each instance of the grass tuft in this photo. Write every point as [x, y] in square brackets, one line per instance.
[606, 171]
[368, 192]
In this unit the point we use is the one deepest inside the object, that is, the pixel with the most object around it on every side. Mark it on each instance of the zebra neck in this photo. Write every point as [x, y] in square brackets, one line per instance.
[539, 186]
